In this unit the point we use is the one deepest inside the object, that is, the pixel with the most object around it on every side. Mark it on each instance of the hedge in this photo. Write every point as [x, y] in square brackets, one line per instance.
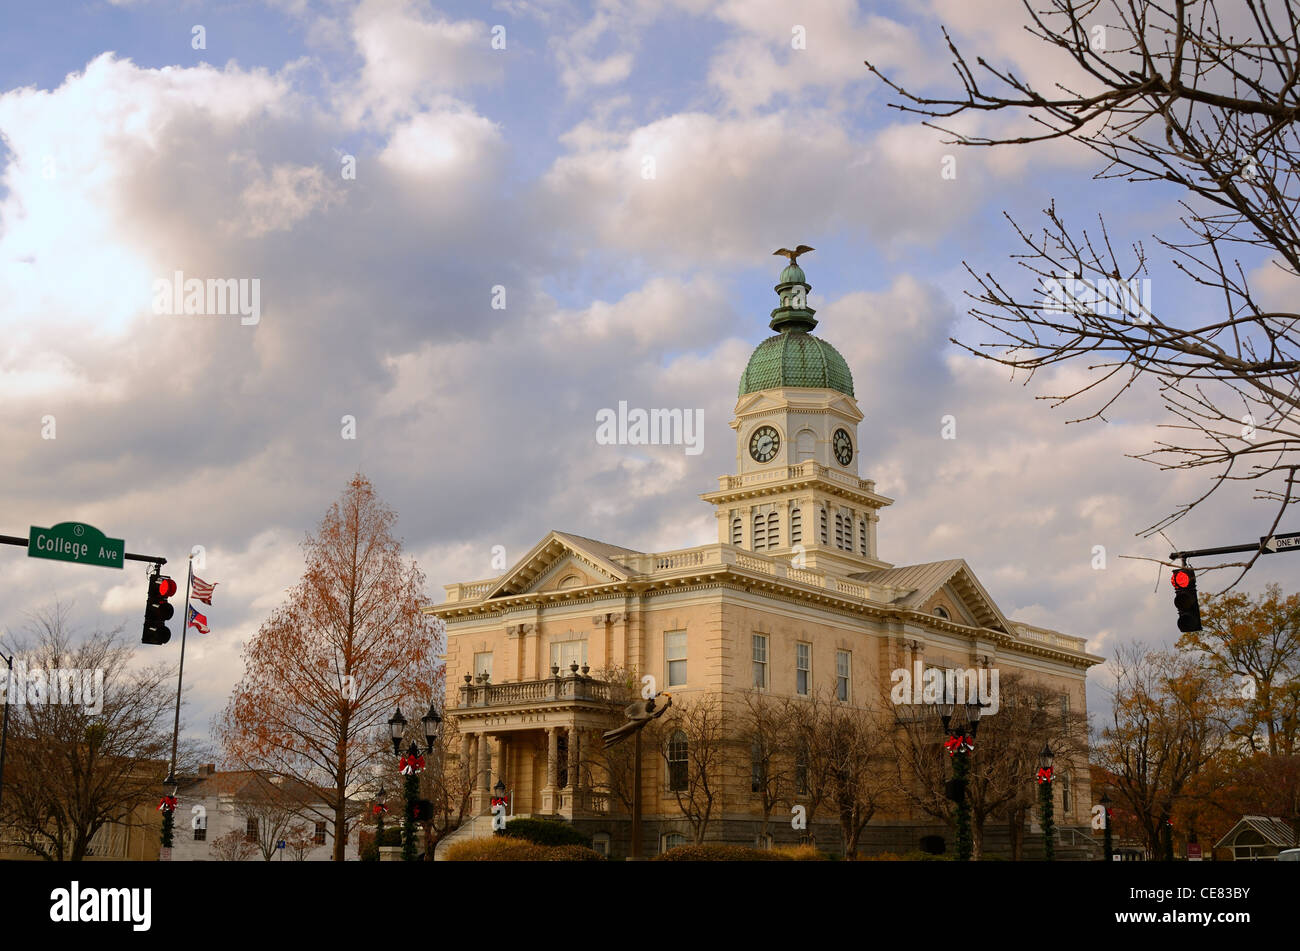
[544, 832]
[503, 849]
[719, 853]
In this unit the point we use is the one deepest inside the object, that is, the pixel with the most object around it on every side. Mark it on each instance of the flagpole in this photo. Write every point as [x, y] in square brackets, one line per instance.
[180, 674]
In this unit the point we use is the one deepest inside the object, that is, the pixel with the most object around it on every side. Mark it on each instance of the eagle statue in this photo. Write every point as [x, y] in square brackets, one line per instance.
[792, 255]
[638, 715]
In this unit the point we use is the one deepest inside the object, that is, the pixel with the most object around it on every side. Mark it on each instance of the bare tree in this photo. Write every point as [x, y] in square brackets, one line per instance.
[1203, 98]
[854, 742]
[89, 737]
[695, 724]
[765, 740]
[268, 812]
[234, 846]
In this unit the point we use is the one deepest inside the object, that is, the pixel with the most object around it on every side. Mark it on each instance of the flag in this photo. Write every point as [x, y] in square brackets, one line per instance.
[198, 620]
[202, 590]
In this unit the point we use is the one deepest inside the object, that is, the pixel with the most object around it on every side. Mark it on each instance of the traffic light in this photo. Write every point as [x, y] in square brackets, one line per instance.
[1189, 610]
[157, 611]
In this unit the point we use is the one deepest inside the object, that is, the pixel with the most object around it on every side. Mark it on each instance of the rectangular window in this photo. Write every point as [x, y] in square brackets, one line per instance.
[201, 834]
[843, 664]
[675, 657]
[862, 536]
[1065, 792]
[1065, 707]
[823, 526]
[796, 527]
[319, 837]
[564, 654]
[760, 660]
[250, 829]
[802, 669]
[483, 664]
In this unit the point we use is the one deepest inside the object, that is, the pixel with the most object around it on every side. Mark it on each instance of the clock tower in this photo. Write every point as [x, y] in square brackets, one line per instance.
[797, 492]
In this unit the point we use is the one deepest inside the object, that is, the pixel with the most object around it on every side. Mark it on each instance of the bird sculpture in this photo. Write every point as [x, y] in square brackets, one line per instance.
[792, 255]
[638, 715]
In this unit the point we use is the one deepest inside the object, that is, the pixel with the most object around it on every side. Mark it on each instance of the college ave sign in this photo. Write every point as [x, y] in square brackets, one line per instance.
[76, 541]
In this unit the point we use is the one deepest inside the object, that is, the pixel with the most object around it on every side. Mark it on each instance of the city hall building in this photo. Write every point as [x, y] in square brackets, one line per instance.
[793, 598]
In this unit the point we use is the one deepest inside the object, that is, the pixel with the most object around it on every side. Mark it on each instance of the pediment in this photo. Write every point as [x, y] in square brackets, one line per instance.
[950, 585]
[557, 562]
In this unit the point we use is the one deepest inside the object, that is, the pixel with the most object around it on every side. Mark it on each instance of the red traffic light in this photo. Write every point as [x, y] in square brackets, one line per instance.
[1181, 578]
[166, 587]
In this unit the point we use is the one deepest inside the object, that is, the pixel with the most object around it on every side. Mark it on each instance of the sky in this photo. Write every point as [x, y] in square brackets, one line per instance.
[476, 225]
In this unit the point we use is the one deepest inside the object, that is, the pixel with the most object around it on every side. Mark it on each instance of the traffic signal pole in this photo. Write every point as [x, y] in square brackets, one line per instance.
[180, 675]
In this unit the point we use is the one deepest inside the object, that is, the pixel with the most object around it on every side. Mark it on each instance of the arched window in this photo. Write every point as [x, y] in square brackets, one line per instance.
[824, 534]
[737, 531]
[796, 527]
[805, 445]
[839, 530]
[760, 533]
[941, 612]
[1065, 792]
[773, 531]
[672, 840]
[677, 750]
[862, 537]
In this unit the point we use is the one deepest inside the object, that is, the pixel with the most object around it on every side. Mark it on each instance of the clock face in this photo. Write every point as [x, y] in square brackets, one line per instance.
[764, 444]
[843, 446]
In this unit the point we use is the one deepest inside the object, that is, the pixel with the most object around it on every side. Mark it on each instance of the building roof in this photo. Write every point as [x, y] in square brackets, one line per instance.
[1274, 832]
[794, 357]
[923, 581]
[249, 784]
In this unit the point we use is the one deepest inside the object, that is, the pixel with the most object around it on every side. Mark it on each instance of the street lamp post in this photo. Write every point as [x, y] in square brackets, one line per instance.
[410, 765]
[1045, 760]
[960, 745]
[1107, 843]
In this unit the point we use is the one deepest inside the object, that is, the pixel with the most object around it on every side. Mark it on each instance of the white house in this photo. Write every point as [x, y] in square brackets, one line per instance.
[244, 815]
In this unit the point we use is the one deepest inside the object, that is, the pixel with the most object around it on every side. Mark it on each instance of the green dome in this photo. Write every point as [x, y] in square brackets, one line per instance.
[793, 274]
[796, 358]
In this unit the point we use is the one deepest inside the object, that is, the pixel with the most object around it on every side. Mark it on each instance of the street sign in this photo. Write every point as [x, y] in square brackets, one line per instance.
[280, 844]
[76, 541]
[1271, 544]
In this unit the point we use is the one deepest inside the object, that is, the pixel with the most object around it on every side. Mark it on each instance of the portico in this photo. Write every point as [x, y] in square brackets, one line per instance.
[537, 737]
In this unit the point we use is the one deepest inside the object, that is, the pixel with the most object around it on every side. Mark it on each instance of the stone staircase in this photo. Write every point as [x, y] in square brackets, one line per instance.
[477, 827]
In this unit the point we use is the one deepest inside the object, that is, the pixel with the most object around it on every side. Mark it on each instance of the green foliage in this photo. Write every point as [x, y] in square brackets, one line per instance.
[544, 832]
[720, 853]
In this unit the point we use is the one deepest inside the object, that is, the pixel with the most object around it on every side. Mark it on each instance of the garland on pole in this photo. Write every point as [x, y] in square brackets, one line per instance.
[1044, 774]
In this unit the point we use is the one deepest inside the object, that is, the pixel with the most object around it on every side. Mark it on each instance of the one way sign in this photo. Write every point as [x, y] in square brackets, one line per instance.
[1272, 544]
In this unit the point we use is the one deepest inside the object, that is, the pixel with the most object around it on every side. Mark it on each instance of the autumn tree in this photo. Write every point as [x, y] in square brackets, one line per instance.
[1253, 646]
[83, 751]
[613, 767]
[1196, 102]
[1164, 729]
[329, 666]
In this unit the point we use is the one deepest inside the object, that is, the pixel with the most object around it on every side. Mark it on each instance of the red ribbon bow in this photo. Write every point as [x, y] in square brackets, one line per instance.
[410, 764]
[380, 809]
[168, 804]
[959, 744]
[1045, 774]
